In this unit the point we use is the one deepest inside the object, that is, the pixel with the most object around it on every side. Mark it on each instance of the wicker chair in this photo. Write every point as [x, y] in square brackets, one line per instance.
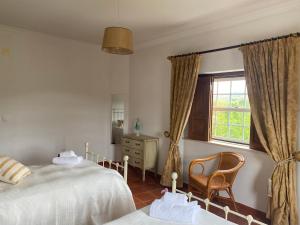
[220, 180]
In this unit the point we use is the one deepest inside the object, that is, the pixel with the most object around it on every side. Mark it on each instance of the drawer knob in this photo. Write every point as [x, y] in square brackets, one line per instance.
[137, 144]
[137, 162]
[137, 153]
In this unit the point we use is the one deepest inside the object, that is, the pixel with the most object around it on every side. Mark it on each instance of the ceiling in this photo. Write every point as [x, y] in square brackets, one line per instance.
[86, 19]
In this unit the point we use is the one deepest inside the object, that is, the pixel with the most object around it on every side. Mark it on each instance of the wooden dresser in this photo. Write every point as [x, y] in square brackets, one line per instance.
[142, 151]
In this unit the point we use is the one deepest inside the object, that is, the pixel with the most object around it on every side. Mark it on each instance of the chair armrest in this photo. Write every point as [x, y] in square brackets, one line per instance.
[200, 162]
[193, 164]
[232, 170]
[211, 157]
[216, 175]
[222, 173]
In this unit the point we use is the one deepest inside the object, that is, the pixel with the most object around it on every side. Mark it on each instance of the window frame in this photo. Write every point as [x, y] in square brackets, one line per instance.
[230, 109]
[199, 126]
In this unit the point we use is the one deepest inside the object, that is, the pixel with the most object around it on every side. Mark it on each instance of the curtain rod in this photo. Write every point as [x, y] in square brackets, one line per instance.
[236, 46]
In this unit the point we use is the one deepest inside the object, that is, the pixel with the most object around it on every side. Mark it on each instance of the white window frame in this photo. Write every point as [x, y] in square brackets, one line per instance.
[231, 109]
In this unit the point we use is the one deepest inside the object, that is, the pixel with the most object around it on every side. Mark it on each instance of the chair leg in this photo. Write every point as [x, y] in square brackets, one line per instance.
[215, 194]
[230, 193]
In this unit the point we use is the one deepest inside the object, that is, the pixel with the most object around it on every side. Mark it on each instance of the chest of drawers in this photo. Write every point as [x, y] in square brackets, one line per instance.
[142, 151]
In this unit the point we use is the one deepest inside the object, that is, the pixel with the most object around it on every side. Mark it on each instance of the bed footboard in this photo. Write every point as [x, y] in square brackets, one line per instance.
[89, 155]
[250, 220]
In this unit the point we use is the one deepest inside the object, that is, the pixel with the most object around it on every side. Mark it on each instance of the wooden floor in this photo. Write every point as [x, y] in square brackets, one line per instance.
[145, 192]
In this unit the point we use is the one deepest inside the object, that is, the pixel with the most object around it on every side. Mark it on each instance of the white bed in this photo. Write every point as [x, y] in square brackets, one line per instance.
[204, 217]
[87, 194]
[141, 217]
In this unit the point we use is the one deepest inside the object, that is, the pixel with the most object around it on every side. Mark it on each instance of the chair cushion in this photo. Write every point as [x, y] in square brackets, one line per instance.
[202, 182]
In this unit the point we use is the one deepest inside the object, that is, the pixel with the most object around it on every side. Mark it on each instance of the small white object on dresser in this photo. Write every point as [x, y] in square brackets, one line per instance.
[142, 151]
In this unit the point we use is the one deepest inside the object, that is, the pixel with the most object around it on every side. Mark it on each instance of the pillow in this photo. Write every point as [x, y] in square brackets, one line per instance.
[12, 171]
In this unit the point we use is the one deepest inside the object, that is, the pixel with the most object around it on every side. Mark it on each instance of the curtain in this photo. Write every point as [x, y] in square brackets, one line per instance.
[184, 74]
[272, 74]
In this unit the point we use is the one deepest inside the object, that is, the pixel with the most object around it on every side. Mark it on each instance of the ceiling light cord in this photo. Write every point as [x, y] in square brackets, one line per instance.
[118, 12]
[117, 39]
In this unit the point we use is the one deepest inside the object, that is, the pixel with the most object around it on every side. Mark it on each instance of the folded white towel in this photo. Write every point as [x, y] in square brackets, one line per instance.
[67, 160]
[179, 213]
[177, 198]
[69, 153]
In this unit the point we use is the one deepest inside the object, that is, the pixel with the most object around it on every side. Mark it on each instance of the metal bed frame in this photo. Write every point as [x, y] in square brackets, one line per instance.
[89, 155]
[207, 203]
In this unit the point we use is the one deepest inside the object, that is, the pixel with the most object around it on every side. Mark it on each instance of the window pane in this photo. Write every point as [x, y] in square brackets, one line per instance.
[223, 101]
[223, 87]
[247, 119]
[237, 101]
[238, 86]
[222, 118]
[230, 124]
[222, 131]
[236, 133]
[236, 118]
[247, 134]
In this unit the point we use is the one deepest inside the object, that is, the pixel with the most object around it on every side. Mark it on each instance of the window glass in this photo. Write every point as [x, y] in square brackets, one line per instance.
[221, 131]
[224, 87]
[238, 86]
[231, 110]
[222, 100]
[236, 118]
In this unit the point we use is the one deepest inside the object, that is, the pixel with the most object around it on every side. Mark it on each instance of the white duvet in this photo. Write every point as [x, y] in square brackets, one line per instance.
[86, 194]
[141, 217]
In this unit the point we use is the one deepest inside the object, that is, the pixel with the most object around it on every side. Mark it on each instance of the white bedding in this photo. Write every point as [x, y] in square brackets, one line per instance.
[140, 217]
[86, 194]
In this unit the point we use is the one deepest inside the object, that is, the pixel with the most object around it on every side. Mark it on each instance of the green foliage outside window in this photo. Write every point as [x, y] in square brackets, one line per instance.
[231, 111]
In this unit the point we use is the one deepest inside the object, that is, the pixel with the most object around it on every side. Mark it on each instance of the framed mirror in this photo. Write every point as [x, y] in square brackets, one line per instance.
[118, 118]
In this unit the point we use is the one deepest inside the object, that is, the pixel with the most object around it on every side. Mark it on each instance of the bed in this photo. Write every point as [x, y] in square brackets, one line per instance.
[86, 194]
[204, 217]
[141, 217]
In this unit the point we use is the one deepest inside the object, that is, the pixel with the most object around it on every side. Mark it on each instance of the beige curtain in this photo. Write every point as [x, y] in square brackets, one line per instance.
[272, 74]
[184, 74]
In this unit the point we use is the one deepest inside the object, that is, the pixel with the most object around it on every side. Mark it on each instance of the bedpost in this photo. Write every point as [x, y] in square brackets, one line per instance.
[174, 178]
[86, 150]
[206, 201]
[125, 167]
[249, 219]
[226, 211]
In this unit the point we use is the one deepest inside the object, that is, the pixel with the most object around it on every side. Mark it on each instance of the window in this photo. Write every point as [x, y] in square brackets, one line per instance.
[231, 110]
[221, 110]
[117, 114]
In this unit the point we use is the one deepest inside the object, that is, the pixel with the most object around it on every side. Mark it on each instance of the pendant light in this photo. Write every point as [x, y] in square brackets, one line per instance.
[117, 40]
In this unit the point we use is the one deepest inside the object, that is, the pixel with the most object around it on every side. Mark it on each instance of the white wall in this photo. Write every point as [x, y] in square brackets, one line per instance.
[55, 94]
[119, 82]
[150, 93]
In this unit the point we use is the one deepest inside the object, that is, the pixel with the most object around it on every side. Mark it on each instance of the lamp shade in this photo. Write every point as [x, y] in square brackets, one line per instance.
[118, 40]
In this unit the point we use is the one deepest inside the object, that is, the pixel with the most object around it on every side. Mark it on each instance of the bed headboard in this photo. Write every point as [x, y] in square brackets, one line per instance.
[250, 220]
[95, 157]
